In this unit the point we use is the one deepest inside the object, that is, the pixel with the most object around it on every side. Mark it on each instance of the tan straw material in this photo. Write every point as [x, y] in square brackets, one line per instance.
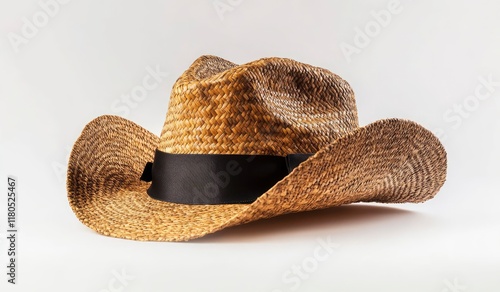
[270, 106]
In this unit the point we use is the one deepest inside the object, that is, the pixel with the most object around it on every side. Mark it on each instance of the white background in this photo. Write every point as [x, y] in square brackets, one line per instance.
[424, 64]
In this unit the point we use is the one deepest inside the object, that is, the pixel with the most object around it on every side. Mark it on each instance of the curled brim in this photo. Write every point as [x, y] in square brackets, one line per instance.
[388, 161]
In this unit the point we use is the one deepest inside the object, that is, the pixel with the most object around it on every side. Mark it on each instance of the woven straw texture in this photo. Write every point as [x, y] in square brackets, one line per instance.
[270, 106]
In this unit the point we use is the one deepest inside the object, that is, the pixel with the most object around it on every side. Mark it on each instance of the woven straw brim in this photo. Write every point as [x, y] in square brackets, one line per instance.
[390, 161]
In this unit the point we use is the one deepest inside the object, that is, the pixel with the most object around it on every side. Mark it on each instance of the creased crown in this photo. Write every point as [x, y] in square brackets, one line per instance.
[270, 106]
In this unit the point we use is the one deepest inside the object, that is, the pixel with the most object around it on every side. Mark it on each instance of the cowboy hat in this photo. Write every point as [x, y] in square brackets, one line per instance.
[242, 143]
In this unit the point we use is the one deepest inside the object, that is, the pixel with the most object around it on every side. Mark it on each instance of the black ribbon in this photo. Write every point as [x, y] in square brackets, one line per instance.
[213, 179]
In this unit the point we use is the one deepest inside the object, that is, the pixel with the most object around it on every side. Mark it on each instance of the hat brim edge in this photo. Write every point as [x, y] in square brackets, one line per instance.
[389, 161]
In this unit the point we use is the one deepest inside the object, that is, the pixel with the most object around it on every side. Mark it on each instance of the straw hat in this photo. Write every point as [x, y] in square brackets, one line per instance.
[242, 143]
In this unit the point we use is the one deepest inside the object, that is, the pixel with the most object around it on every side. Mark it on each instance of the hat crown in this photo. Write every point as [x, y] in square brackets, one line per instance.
[271, 106]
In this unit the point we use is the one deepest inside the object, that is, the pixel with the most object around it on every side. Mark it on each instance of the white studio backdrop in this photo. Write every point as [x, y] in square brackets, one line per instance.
[63, 63]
